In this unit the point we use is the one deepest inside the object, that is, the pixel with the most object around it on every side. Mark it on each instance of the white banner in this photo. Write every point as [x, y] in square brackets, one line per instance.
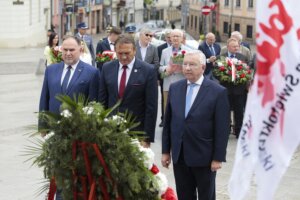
[270, 132]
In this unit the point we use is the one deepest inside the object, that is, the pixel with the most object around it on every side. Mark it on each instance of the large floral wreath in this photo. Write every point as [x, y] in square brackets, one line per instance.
[232, 71]
[91, 154]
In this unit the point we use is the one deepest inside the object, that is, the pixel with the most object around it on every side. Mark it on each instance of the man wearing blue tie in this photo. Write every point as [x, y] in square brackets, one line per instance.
[196, 130]
[71, 77]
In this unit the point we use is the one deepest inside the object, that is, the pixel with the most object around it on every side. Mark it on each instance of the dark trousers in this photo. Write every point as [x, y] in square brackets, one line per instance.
[161, 83]
[191, 181]
[237, 103]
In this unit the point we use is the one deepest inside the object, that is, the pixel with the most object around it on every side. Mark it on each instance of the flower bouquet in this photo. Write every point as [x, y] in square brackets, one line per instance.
[177, 58]
[232, 71]
[56, 54]
[90, 153]
[105, 56]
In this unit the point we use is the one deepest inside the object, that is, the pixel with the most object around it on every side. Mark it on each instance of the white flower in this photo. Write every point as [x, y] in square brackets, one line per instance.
[149, 157]
[126, 131]
[118, 119]
[220, 64]
[66, 113]
[49, 135]
[162, 183]
[88, 110]
[235, 61]
[137, 143]
[105, 119]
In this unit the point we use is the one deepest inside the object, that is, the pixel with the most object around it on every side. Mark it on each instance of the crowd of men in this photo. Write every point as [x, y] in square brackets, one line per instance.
[195, 107]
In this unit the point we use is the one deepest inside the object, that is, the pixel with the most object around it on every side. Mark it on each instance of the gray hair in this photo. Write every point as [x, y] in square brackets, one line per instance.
[238, 35]
[145, 30]
[200, 55]
[177, 31]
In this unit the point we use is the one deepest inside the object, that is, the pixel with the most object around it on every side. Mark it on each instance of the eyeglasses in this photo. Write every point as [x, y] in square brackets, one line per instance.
[148, 35]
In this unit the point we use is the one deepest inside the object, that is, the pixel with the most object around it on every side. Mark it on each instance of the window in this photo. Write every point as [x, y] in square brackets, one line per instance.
[192, 18]
[249, 31]
[237, 27]
[238, 3]
[187, 19]
[225, 27]
[250, 3]
[226, 3]
[195, 22]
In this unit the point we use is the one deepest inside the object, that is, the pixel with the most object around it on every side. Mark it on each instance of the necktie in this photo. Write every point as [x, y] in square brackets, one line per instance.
[212, 50]
[188, 99]
[66, 79]
[122, 82]
[232, 56]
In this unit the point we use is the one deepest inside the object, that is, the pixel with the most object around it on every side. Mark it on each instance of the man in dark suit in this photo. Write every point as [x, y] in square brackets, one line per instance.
[71, 77]
[108, 44]
[134, 82]
[237, 94]
[160, 48]
[196, 130]
[82, 27]
[211, 50]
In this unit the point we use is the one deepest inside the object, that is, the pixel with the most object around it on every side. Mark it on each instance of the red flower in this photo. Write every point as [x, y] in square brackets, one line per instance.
[249, 71]
[169, 195]
[154, 169]
[239, 68]
[242, 75]
[222, 68]
[183, 52]
[174, 54]
[229, 72]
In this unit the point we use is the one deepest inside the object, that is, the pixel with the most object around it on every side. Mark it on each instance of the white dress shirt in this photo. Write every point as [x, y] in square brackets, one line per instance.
[65, 71]
[196, 88]
[128, 71]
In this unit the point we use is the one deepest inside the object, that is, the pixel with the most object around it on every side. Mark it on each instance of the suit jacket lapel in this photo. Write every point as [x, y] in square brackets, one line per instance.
[200, 96]
[107, 44]
[138, 51]
[182, 98]
[136, 69]
[75, 76]
[60, 72]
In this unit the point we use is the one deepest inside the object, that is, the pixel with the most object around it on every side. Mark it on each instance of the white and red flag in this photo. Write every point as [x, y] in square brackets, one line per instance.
[270, 133]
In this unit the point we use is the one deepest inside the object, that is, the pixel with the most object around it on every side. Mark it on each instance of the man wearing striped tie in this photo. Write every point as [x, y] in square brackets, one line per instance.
[196, 130]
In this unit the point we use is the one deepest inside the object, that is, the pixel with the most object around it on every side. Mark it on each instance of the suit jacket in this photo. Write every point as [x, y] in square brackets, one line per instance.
[203, 134]
[102, 45]
[89, 42]
[140, 95]
[205, 49]
[160, 48]
[151, 56]
[243, 50]
[85, 80]
[164, 62]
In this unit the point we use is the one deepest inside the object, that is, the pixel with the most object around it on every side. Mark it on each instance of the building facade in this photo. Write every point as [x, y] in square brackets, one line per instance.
[24, 23]
[237, 15]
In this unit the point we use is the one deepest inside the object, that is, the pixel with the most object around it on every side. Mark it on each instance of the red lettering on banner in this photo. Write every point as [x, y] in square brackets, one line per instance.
[298, 34]
[271, 52]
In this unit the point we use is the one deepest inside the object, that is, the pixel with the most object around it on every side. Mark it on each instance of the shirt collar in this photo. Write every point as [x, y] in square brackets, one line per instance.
[142, 46]
[129, 66]
[73, 66]
[198, 82]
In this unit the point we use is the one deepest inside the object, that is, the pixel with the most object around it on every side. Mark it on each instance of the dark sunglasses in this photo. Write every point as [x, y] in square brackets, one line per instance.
[148, 35]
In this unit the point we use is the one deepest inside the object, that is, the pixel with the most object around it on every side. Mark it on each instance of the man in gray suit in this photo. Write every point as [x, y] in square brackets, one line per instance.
[146, 51]
[82, 27]
[170, 71]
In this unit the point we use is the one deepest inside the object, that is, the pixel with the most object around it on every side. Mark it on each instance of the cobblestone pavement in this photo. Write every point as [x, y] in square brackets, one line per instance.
[19, 97]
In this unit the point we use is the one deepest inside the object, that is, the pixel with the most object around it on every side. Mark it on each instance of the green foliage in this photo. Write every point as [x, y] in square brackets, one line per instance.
[91, 123]
[148, 2]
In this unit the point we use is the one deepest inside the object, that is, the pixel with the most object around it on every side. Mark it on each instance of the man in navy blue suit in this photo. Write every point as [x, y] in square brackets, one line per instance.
[83, 78]
[211, 50]
[134, 82]
[108, 43]
[71, 77]
[196, 130]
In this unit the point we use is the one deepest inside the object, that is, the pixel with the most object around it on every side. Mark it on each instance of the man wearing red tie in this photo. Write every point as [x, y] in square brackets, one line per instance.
[134, 82]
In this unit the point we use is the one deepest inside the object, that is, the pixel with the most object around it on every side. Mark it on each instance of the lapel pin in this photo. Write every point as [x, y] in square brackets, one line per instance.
[135, 70]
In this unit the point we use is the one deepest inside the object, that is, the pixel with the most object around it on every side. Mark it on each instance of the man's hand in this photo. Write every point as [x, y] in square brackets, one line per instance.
[212, 59]
[172, 68]
[215, 165]
[43, 133]
[166, 160]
